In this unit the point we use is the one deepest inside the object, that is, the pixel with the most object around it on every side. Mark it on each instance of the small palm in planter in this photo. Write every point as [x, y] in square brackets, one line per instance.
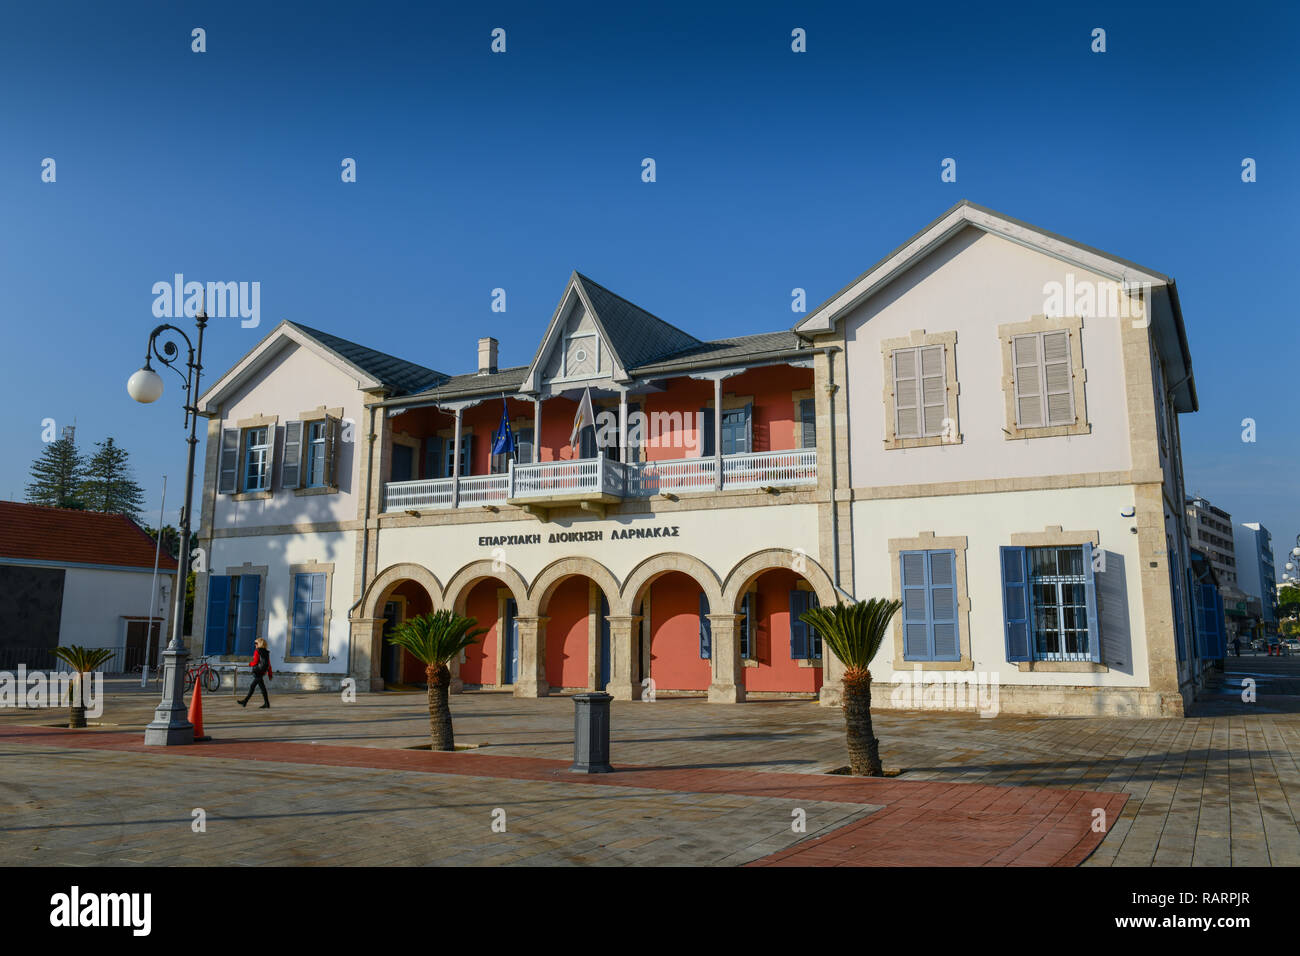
[82, 661]
[854, 633]
[434, 639]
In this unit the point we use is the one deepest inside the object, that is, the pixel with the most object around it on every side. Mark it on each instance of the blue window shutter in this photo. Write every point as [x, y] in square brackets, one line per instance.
[814, 636]
[1015, 603]
[798, 629]
[316, 636]
[706, 418]
[214, 632]
[706, 630]
[467, 455]
[1090, 595]
[246, 626]
[914, 576]
[432, 458]
[749, 430]
[746, 625]
[301, 615]
[944, 634]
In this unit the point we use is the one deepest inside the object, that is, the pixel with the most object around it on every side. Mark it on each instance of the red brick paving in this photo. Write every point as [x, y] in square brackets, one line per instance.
[920, 824]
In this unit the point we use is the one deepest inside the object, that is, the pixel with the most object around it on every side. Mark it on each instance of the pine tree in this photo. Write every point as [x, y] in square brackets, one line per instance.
[108, 485]
[57, 476]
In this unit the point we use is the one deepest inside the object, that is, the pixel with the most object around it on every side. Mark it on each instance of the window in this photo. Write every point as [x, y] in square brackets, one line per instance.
[805, 642]
[929, 594]
[316, 432]
[257, 459]
[307, 625]
[1044, 390]
[232, 619]
[737, 430]
[920, 392]
[403, 463]
[1050, 603]
[807, 423]
[1058, 598]
[466, 446]
[310, 445]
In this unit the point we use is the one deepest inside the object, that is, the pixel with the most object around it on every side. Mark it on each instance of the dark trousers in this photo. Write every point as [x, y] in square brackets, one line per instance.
[257, 683]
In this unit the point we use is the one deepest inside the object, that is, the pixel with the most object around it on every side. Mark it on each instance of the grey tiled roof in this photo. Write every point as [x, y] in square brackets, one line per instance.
[724, 352]
[505, 380]
[398, 374]
[636, 336]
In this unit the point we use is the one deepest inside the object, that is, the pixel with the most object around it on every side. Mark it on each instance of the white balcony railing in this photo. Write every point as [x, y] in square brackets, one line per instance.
[418, 495]
[649, 478]
[797, 466]
[603, 476]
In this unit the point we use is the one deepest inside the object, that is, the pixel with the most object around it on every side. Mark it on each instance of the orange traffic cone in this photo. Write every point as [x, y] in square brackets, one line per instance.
[196, 712]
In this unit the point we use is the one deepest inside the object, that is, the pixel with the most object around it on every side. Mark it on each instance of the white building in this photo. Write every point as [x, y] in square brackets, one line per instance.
[79, 577]
[984, 425]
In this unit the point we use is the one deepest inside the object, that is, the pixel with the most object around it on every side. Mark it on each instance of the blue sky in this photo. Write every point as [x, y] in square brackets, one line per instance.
[478, 171]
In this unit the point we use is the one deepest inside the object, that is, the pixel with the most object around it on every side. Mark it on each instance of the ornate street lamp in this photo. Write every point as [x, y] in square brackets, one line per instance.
[170, 723]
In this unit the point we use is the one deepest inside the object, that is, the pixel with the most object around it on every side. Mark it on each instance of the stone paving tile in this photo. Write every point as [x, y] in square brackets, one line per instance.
[1019, 827]
[349, 816]
[1206, 790]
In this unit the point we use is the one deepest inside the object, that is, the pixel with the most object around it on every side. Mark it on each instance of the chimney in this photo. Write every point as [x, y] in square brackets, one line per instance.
[487, 356]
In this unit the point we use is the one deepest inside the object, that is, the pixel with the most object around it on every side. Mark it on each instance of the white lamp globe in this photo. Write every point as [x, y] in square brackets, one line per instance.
[145, 386]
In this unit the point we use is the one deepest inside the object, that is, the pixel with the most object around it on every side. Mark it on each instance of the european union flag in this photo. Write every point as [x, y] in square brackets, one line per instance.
[503, 441]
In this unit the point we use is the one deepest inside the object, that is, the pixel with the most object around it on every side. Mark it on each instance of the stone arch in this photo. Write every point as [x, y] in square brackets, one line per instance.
[463, 581]
[649, 569]
[539, 593]
[394, 575]
[777, 558]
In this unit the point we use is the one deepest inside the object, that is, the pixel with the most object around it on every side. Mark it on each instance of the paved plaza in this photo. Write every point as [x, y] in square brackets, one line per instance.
[315, 780]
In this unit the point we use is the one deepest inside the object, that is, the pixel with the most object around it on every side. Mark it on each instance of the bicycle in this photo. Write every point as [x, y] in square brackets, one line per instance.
[202, 670]
[155, 673]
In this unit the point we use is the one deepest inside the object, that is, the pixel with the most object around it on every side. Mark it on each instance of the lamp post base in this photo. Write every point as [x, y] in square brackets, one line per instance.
[171, 724]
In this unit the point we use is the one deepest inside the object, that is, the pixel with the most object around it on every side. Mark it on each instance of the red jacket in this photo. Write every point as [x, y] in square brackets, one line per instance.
[261, 662]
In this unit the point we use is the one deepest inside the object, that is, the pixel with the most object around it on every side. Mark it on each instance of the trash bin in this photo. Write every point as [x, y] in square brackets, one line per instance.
[591, 733]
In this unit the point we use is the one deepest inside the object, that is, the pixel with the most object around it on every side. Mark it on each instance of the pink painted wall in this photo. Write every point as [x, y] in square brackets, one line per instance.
[566, 634]
[675, 662]
[776, 670]
[417, 603]
[480, 666]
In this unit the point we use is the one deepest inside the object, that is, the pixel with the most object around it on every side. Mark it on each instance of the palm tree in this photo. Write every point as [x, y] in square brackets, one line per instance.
[82, 660]
[854, 633]
[434, 639]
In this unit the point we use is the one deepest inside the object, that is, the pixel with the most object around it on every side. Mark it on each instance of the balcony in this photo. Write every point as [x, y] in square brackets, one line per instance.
[593, 483]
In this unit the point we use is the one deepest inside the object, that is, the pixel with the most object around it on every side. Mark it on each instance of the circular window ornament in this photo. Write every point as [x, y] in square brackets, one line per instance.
[580, 355]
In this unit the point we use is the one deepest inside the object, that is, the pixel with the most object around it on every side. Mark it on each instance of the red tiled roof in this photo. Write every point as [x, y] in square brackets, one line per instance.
[62, 535]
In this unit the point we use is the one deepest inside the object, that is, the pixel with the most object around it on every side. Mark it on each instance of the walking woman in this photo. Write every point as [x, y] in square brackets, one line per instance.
[261, 667]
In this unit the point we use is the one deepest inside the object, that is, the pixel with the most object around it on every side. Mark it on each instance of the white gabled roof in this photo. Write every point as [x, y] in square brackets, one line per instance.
[263, 351]
[966, 213]
[1170, 333]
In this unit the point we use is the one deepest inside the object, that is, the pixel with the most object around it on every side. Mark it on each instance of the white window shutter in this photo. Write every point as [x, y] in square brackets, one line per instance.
[1029, 393]
[333, 429]
[1057, 378]
[934, 390]
[228, 473]
[907, 409]
[291, 473]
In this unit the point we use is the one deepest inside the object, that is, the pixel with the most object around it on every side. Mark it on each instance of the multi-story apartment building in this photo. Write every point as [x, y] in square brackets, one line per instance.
[1211, 533]
[1257, 573]
[984, 425]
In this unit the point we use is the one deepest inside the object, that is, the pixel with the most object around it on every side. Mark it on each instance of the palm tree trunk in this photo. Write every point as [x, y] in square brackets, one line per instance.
[440, 731]
[864, 748]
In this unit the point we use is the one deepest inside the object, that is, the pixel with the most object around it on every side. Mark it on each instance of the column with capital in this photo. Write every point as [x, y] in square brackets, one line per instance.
[531, 679]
